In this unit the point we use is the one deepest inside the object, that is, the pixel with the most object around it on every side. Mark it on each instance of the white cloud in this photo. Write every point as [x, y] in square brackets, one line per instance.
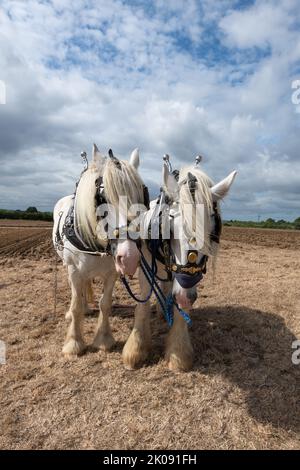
[125, 75]
[262, 25]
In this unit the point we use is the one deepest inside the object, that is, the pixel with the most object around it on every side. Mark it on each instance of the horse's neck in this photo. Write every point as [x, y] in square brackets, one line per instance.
[150, 219]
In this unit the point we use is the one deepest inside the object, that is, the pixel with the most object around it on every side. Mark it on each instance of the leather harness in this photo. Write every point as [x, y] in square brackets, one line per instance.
[69, 227]
[189, 273]
[192, 272]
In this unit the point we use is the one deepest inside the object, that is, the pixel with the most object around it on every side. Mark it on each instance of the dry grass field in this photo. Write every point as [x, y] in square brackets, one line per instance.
[243, 392]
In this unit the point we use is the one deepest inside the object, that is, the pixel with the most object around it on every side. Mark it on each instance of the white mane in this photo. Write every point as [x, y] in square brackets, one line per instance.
[124, 181]
[202, 196]
[85, 207]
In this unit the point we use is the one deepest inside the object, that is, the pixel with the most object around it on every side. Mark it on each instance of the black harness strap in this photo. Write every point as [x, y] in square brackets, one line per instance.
[192, 182]
[69, 229]
[216, 233]
[161, 248]
[146, 197]
[70, 234]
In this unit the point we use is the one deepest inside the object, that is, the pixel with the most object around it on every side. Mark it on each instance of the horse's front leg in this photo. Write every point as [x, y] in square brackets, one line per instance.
[104, 339]
[138, 344]
[74, 343]
[89, 291]
[179, 350]
[166, 288]
[88, 297]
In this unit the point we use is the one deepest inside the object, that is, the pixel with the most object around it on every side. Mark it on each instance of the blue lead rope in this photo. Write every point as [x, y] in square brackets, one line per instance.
[170, 303]
[169, 312]
[167, 303]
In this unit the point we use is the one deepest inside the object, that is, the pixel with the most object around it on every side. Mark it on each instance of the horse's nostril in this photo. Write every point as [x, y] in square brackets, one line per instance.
[192, 297]
[119, 259]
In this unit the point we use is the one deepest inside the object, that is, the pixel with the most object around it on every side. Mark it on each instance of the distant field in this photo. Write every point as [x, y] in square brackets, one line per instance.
[263, 237]
[33, 238]
[24, 223]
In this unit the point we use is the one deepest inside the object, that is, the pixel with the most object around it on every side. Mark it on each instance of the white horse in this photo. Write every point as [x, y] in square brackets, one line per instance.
[205, 198]
[115, 178]
[199, 232]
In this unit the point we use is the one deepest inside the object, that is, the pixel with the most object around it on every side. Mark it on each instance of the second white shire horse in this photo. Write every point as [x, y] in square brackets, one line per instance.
[187, 223]
[81, 241]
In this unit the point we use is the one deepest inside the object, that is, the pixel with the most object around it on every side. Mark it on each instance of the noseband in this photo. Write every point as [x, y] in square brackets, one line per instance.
[189, 274]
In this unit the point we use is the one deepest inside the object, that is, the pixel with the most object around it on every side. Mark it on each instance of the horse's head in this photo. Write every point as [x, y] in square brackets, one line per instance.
[109, 194]
[126, 193]
[195, 226]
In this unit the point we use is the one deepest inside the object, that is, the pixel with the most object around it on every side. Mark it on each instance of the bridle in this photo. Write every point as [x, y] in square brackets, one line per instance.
[122, 231]
[188, 275]
[69, 229]
[192, 271]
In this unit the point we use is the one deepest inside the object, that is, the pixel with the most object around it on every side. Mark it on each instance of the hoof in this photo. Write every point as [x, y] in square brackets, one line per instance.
[128, 366]
[134, 352]
[73, 347]
[105, 342]
[180, 359]
[176, 364]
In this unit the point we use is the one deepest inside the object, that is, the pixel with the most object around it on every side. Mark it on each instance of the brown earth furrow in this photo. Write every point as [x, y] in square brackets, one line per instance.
[243, 390]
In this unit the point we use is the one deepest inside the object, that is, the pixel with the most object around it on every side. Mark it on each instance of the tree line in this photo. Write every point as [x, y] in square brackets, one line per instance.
[31, 213]
[268, 223]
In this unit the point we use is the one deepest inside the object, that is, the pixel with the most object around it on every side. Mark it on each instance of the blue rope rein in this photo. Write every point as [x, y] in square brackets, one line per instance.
[170, 303]
[150, 276]
[167, 303]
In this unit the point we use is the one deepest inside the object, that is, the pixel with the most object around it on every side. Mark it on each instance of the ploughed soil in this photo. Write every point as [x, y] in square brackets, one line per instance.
[242, 393]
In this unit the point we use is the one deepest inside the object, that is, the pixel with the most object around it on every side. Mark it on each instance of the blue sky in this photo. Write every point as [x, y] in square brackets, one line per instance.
[180, 77]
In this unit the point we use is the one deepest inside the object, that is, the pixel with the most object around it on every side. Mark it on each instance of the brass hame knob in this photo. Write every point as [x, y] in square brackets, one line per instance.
[192, 257]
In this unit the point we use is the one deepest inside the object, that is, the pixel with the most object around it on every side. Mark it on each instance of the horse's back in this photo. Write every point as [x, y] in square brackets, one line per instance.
[62, 205]
[60, 212]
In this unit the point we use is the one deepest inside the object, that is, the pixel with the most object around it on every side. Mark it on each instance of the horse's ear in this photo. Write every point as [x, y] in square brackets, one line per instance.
[169, 180]
[95, 152]
[135, 158]
[97, 158]
[221, 189]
